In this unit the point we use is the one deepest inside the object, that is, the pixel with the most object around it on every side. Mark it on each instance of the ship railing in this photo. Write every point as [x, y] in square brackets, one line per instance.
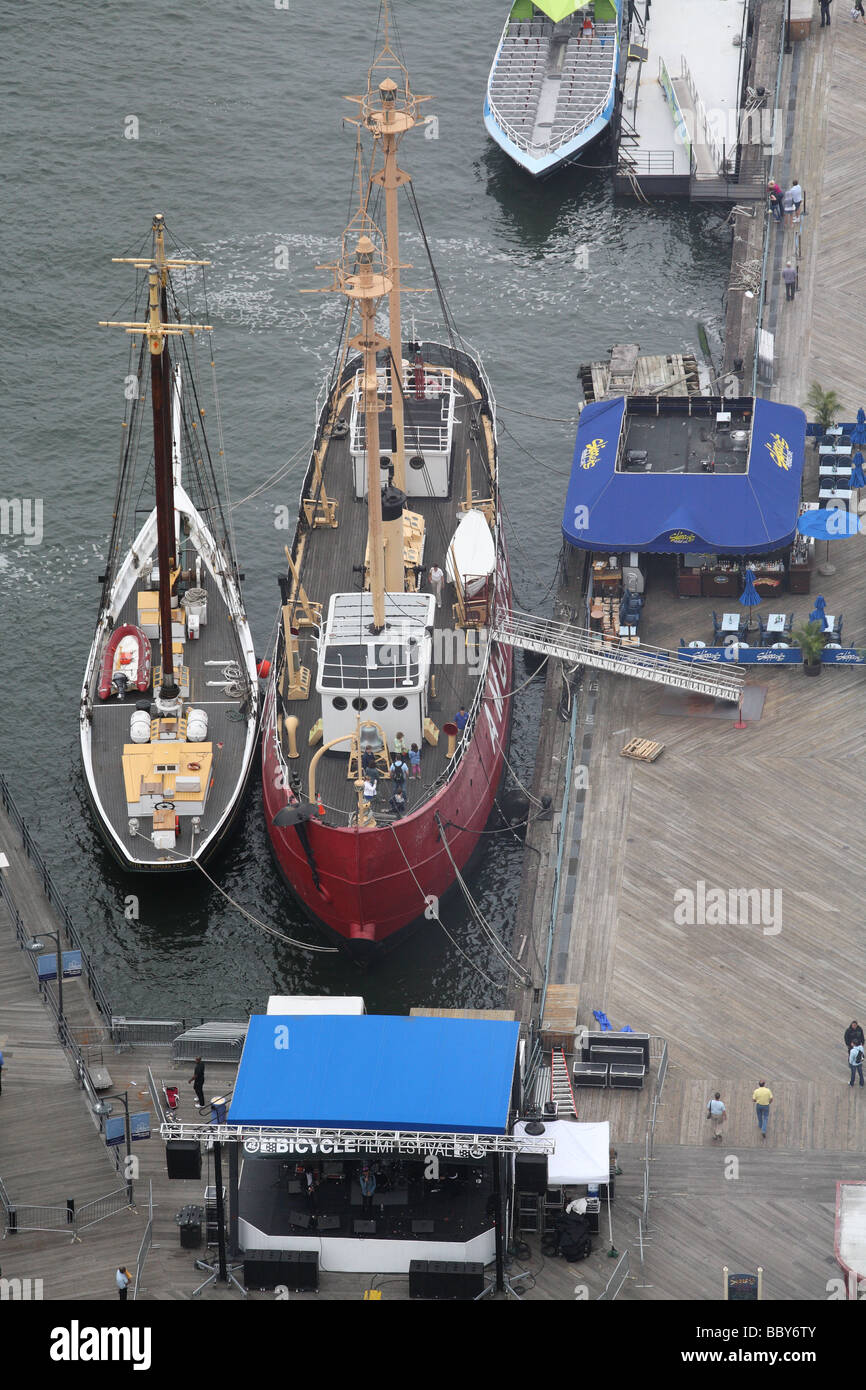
[529, 146]
[584, 124]
[702, 120]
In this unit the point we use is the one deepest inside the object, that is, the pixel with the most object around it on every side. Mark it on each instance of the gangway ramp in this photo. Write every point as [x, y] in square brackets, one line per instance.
[579, 646]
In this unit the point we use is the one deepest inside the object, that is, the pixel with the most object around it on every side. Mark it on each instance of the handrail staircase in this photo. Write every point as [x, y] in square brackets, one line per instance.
[561, 1089]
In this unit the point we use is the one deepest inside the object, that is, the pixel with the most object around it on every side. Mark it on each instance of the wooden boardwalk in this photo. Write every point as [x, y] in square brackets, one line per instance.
[776, 806]
[821, 336]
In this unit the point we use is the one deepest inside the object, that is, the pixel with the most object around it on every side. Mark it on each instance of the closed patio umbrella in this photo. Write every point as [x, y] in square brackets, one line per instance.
[857, 478]
[858, 434]
[750, 598]
[819, 611]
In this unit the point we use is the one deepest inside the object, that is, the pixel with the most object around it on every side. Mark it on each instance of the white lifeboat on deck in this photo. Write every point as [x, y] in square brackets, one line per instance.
[472, 552]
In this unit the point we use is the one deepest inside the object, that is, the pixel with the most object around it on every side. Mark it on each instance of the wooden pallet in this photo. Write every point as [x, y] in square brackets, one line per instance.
[642, 748]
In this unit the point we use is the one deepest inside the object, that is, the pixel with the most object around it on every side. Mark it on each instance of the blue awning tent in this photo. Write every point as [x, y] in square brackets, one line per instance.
[750, 513]
[441, 1075]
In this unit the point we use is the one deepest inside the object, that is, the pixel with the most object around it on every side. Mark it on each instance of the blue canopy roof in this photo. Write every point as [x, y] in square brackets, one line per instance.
[445, 1075]
[749, 513]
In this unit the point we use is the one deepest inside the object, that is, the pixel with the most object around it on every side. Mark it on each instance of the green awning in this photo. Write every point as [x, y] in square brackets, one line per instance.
[559, 9]
[605, 10]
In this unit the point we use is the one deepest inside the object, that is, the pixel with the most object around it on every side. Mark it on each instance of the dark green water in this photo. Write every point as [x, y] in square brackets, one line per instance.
[239, 109]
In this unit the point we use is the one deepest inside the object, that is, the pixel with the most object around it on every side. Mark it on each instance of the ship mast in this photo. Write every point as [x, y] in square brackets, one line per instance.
[363, 275]
[388, 110]
[157, 330]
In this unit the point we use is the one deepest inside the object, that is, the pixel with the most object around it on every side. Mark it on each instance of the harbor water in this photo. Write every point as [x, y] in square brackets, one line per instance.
[229, 119]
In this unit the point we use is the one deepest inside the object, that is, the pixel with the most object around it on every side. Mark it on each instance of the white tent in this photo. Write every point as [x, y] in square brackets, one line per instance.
[582, 1152]
[315, 1004]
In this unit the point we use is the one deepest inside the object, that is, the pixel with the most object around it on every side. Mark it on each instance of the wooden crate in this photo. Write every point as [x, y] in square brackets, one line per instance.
[644, 749]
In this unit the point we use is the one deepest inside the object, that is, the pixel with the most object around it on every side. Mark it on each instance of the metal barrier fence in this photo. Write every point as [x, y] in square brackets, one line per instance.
[56, 900]
[658, 1056]
[154, 1032]
[100, 1208]
[616, 1280]
[21, 1217]
[143, 1249]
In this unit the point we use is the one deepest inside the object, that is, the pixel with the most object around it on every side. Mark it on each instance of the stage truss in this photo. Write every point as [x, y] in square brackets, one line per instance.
[306, 1143]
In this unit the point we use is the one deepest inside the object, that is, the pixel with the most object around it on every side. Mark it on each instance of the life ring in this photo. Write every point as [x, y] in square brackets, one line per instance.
[193, 767]
[164, 806]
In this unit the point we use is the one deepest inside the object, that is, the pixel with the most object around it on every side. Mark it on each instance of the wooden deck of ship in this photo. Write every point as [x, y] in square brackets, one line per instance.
[227, 728]
[331, 562]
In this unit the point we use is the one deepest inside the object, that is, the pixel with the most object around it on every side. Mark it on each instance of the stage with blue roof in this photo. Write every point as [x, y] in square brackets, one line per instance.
[372, 1072]
[365, 1191]
[686, 474]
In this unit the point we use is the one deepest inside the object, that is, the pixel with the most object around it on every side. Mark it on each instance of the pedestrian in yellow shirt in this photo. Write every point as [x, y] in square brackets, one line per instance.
[763, 1098]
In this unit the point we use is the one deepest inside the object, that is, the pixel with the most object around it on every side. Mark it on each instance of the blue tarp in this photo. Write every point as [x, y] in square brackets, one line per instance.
[751, 513]
[444, 1075]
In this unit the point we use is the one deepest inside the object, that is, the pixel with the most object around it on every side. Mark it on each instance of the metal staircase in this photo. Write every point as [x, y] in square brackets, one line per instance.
[579, 647]
[561, 1089]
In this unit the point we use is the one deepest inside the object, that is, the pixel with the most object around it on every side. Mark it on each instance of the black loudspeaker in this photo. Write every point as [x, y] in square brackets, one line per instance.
[327, 1223]
[423, 1228]
[530, 1173]
[364, 1228]
[442, 1279]
[294, 1269]
[300, 1218]
[183, 1158]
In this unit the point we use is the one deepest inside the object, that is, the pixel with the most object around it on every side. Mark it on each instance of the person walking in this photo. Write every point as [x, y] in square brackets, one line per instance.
[400, 746]
[857, 12]
[370, 790]
[825, 13]
[399, 771]
[716, 1114]
[795, 193]
[855, 1063]
[197, 1083]
[437, 579]
[763, 1098]
[854, 1035]
[775, 195]
[789, 276]
[461, 719]
[415, 761]
[122, 1278]
[397, 802]
[1, 1054]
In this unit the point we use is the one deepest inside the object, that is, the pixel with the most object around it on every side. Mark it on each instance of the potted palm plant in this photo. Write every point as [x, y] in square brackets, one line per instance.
[810, 638]
[824, 405]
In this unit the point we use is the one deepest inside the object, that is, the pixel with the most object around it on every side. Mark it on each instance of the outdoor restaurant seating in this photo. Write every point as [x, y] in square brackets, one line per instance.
[772, 630]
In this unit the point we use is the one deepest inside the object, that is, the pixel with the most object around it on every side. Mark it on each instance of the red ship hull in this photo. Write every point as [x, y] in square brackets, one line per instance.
[373, 883]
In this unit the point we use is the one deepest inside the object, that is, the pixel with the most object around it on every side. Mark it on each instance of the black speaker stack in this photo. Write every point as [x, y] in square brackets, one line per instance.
[530, 1173]
[294, 1269]
[183, 1158]
[442, 1279]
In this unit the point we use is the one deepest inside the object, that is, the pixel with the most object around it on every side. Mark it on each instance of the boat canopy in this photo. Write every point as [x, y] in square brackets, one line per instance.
[604, 10]
[749, 513]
